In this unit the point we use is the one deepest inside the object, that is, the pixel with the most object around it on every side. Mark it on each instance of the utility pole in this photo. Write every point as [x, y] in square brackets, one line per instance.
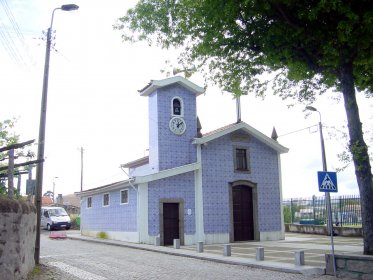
[81, 168]
[11, 173]
[42, 126]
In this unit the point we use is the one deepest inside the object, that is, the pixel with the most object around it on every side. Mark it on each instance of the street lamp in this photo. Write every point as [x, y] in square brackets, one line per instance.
[41, 142]
[54, 186]
[321, 138]
[327, 194]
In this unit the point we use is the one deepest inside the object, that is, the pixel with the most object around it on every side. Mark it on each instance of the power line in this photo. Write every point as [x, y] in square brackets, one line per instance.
[295, 131]
[9, 45]
[7, 39]
[13, 21]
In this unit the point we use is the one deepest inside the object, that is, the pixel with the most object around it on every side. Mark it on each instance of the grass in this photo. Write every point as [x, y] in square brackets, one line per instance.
[102, 235]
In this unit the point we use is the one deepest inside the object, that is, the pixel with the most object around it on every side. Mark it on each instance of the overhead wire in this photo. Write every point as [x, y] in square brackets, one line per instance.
[7, 39]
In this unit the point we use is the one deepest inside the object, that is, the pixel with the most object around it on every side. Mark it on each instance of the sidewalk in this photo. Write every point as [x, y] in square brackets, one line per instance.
[278, 255]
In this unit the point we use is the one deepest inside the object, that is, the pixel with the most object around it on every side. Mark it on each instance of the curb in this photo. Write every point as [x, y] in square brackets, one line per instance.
[268, 265]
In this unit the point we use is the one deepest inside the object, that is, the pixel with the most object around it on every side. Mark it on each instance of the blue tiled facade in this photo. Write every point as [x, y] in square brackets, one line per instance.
[169, 152]
[179, 187]
[218, 172]
[114, 217]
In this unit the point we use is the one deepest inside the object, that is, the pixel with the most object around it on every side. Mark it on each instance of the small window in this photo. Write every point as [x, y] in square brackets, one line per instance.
[123, 196]
[177, 106]
[89, 202]
[106, 199]
[241, 163]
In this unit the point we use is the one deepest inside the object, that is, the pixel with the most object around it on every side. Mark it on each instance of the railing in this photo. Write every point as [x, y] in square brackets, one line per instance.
[346, 211]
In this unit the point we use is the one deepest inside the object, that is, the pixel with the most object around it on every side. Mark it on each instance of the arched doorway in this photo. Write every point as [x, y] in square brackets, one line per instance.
[243, 209]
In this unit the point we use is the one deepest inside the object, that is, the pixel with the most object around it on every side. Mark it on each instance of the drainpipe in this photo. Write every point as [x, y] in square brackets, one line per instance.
[130, 179]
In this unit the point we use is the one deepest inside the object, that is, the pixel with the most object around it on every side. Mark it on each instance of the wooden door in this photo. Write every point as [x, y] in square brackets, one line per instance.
[243, 219]
[170, 223]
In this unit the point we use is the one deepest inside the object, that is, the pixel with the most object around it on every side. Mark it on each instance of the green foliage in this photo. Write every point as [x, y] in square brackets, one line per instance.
[3, 191]
[9, 137]
[287, 215]
[75, 221]
[306, 47]
[303, 42]
[102, 235]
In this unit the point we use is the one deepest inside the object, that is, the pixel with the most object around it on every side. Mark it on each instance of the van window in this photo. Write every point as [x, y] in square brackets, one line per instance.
[57, 212]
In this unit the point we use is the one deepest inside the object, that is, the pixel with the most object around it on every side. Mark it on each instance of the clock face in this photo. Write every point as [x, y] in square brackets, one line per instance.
[177, 125]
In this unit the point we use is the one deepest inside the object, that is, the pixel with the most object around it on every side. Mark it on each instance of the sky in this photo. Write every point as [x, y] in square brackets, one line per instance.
[93, 100]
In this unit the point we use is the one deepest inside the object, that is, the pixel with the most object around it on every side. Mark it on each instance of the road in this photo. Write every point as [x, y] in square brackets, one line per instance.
[74, 259]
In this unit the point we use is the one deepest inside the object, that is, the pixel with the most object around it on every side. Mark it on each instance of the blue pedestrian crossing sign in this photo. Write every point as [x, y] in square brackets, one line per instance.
[327, 181]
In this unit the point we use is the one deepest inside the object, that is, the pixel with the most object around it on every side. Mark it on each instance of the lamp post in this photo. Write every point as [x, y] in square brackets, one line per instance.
[327, 194]
[41, 142]
[54, 187]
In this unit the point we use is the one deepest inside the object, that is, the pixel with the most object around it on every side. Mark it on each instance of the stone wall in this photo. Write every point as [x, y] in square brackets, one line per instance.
[315, 229]
[350, 266]
[17, 238]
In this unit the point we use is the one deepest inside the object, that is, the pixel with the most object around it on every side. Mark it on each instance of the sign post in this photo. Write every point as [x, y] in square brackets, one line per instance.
[327, 184]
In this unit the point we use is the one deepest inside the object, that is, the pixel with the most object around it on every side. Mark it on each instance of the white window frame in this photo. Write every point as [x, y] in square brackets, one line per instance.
[103, 199]
[89, 198]
[128, 197]
[181, 106]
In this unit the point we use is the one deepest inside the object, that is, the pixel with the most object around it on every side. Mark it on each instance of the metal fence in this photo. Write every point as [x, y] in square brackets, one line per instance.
[346, 210]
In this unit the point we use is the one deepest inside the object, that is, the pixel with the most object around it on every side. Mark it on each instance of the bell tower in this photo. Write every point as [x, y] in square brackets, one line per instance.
[172, 122]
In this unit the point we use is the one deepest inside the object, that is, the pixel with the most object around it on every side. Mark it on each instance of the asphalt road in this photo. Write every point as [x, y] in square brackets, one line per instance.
[74, 259]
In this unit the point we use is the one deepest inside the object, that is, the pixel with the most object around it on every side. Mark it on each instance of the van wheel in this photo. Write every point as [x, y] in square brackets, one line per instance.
[49, 227]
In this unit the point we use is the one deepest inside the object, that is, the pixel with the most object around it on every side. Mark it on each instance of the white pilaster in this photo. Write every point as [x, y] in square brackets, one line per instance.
[280, 186]
[142, 213]
[200, 232]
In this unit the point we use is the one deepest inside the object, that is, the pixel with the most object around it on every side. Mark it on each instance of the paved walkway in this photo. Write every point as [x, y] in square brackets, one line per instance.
[278, 255]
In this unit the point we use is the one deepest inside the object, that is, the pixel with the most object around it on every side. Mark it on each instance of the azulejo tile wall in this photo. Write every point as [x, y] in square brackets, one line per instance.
[176, 187]
[218, 172]
[173, 150]
[115, 217]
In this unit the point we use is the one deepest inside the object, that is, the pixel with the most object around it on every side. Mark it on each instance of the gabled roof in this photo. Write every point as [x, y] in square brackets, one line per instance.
[106, 188]
[241, 126]
[155, 84]
[136, 163]
[142, 179]
[46, 200]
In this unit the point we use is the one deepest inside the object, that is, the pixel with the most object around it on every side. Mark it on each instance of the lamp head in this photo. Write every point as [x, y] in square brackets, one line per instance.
[69, 7]
[311, 108]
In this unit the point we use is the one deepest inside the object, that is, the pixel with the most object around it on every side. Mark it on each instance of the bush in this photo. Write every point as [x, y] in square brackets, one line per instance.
[74, 218]
[287, 215]
[102, 235]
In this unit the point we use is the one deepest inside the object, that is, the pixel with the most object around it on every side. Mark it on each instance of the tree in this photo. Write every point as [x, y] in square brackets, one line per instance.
[307, 47]
[7, 137]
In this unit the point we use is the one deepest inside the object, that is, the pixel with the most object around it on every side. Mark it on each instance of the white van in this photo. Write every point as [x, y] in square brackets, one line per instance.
[54, 217]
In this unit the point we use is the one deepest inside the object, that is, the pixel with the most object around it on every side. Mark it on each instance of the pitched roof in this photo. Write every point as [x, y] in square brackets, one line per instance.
[136, 163]
[155, 84]
[108, 187]
[207, 137]
[142, 179]
[71, 199]
[46, 200]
